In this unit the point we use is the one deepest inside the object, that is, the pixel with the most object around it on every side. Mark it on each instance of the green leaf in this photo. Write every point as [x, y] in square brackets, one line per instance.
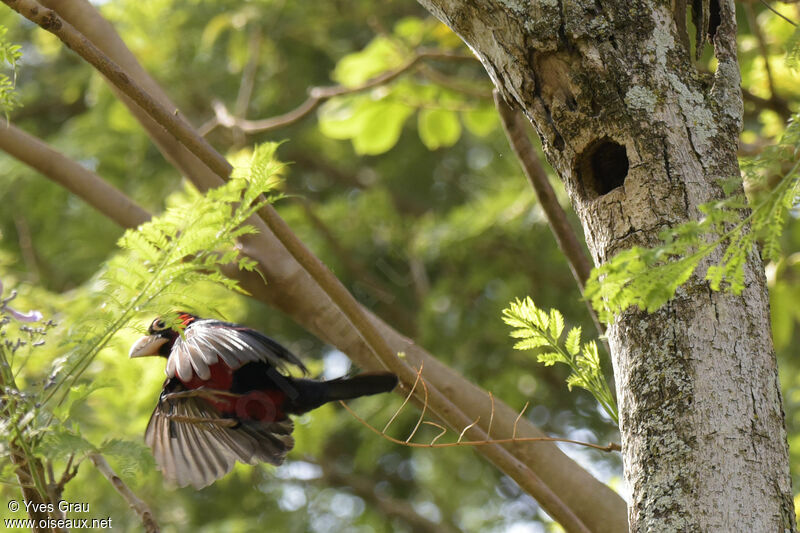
[556, 324]
[133, 457]
[162, 262]
[591, 356]
[573, 343]
[381, 127]
[342, 118]
[530, 343]
[411, 30]
[648, 278]
[438, 128]
[481, 121]
[524, 332]
[537, 328]
[76, 397]
[575, 380]
[550, 358]
[374, 126]
[380, 55]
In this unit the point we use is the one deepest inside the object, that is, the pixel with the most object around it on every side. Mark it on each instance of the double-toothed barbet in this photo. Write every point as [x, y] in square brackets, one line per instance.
[228, 398]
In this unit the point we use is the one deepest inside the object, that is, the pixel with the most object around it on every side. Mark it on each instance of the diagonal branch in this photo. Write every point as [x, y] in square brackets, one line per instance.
[139, 506]
[80, 181]
[296, 293]
[516, 128]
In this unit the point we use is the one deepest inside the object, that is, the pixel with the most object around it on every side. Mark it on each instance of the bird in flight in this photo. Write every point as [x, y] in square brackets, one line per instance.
[228, 397]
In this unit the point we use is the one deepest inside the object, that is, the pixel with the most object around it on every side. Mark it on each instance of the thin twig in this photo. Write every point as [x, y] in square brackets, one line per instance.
[491, 416]
[139, 506]
[441, 427]
[514, 433]
[790, 21]
[516, 128]
[69, 473]
[319, 95]
[408, 397]
[461, 435]
[610, 447]
[424, 408]
[200, 421]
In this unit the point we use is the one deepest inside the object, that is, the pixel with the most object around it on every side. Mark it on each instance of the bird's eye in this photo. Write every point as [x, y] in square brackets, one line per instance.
[158, 325]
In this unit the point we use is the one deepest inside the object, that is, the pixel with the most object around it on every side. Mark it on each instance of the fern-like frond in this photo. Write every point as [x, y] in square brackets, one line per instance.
[541, 329]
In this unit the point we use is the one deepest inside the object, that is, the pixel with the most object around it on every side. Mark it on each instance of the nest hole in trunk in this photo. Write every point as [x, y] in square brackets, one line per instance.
[602, 167]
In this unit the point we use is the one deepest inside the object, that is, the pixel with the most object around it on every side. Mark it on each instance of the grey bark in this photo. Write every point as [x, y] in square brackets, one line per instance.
[640, 138]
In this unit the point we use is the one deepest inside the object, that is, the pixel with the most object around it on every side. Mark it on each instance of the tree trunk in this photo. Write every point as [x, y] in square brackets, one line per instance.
[640, 138]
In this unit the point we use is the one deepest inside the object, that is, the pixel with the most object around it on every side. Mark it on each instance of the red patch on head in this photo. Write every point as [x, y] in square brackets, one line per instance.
[186, 319]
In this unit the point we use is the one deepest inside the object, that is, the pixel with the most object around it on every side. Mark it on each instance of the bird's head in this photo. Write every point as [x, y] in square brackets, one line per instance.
[160, 338]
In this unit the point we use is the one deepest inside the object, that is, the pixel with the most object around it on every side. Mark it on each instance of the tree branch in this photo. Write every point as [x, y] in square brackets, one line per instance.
[319, 95]
[516, 128]
[139, 506]
[24, 472]
[293, 291]
[82, 182]
[27, 468]
[439, 403]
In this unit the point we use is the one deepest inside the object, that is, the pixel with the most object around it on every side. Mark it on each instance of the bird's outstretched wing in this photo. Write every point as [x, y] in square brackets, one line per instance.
[205, 342]
[193, 445]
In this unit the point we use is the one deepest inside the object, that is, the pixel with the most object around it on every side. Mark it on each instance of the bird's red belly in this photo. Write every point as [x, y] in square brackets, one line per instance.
[262, 405]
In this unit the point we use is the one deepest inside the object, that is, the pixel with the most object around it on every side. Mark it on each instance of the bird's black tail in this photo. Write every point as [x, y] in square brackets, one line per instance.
[312, 394]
